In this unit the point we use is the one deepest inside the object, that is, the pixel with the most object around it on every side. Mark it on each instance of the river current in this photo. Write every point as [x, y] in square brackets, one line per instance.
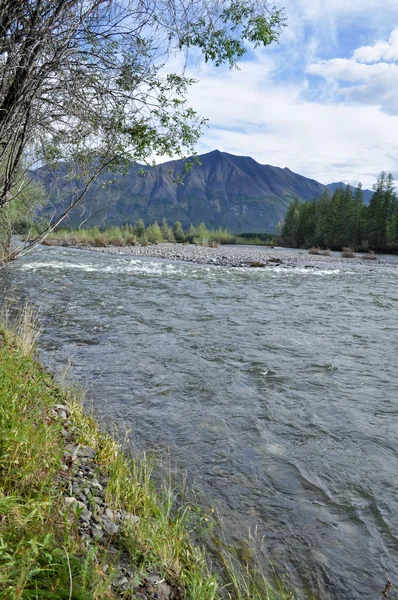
[275, 389]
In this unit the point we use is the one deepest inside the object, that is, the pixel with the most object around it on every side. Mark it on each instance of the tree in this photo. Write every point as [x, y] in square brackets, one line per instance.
[381, 211]
[289, 229]
[84, 83]
[178, 232]
[139, 229]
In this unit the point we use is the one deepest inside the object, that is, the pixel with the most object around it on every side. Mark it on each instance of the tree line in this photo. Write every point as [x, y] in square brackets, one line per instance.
[138, 233]
[343, 219]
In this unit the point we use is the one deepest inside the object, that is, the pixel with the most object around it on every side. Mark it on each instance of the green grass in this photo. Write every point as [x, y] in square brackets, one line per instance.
[42, 554]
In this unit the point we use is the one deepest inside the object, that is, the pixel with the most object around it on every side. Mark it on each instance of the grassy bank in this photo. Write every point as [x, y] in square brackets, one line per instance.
[128, 235]
[53, 545]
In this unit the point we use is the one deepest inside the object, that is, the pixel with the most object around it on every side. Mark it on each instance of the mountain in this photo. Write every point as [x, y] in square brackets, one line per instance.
[224, 190]
[332, 187]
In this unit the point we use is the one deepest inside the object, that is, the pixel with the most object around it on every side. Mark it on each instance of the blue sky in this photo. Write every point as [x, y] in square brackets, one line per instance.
[323, 102]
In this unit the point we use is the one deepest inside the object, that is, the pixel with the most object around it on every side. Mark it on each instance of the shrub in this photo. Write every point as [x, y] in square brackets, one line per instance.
[315, 250]
[369, 256]
[178, 232]
[139, 229]
[348, 253]
[154, 233]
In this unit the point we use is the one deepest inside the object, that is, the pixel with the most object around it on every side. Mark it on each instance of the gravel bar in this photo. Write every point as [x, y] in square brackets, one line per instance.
[243, 256]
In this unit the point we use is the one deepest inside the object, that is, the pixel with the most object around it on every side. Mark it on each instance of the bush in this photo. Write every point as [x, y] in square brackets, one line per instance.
[348, 253]
[178, 232]
[369, 256]
[139, 229]
[154, 233]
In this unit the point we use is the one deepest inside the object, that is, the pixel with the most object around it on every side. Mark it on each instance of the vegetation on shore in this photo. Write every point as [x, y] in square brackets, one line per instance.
[344, 221]
[43, 553]
[154, 234]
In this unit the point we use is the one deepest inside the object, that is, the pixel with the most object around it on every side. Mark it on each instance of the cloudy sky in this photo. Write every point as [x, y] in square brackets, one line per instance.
[324, 102]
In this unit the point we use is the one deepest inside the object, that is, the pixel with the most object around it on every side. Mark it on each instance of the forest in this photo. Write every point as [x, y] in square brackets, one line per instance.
[344, 220]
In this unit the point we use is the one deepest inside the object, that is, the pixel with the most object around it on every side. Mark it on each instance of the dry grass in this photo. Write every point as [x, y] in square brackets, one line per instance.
[348, 253]
[369, 255]
[317, 251]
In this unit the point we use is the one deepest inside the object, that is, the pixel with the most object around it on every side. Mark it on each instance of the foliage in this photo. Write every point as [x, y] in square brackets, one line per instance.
[343, 220]
[85, 83]
[153, 234]
[19, 216]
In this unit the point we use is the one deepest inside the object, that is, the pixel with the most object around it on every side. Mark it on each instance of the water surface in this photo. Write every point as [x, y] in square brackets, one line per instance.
[275, 389]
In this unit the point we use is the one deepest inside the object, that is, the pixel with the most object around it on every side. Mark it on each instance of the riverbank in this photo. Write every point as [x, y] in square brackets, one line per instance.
[238, 256]
[78, 518]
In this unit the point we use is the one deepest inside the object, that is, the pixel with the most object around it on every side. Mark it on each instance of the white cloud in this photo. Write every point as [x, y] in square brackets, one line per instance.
[336, 128]
[251, 114]
[368, 77]
[380, 51]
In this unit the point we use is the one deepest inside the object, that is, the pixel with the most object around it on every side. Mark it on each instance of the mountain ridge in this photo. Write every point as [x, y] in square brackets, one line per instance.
[224, 190]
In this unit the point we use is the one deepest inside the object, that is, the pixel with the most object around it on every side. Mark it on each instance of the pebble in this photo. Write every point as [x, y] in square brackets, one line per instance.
[110, 528]
[87, 452]
[95, 483]
[97, 500]
[62, 407]
[121, 583]
[238, 256]
[97, 532]
[130, 518]
[97, 519]
[86, 515]
[109, 514]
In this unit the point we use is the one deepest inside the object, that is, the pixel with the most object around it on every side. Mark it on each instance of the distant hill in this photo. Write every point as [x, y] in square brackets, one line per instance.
[234, 192]
[332, 187]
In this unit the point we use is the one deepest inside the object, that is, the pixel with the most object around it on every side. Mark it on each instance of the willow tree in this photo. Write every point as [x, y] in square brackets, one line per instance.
[88, 85]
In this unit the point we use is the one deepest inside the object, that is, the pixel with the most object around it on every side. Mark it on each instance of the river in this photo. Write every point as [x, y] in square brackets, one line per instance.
[275, 389]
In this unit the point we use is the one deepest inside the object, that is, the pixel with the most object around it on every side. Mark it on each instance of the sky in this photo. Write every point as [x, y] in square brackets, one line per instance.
[323, 102]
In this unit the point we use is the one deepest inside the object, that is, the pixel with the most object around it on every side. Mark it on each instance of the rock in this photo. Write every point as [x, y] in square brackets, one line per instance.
[109, 514]
[121, 583]
[62, 407]
[256, 264]
[97, 532]
[96, 484]
[129, 518]
[70, 500]
[87, 452]
[71, 450]
[105, 568]
[109, 527]
[139, 596]
[86, 515]
[97, 500]
[163, 589]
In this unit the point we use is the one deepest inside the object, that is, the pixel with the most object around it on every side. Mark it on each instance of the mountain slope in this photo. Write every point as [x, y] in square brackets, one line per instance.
[224, 190]
[332, 187]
